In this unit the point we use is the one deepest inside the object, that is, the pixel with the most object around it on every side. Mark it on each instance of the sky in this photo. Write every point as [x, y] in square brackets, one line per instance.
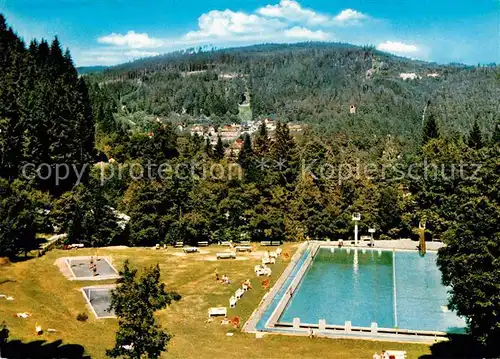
[108, 32]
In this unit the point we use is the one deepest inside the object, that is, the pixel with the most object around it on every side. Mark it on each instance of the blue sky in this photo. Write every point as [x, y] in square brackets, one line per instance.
[107, 32]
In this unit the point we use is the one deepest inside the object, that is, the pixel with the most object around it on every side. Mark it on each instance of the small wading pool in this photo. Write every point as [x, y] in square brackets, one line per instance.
[80, 268]
[99, 299]
[395, 289]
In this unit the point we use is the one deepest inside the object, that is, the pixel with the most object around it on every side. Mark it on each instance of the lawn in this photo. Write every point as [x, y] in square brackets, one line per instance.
[39, 288]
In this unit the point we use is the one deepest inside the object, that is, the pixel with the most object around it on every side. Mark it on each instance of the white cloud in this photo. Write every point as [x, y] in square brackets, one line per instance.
[397, 47]
[349, 16]
[131, 40]
[227, 23]
[298, 32]
[293, 11]
[286, 21]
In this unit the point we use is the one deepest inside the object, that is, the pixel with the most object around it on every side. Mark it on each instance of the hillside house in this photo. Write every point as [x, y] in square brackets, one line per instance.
[235, 148]
[230, 132]
[409, 76]
[296, 128]
[197, 130]
[270, 124]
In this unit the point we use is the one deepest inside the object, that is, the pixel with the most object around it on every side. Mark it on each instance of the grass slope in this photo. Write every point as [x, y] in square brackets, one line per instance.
[39, 288]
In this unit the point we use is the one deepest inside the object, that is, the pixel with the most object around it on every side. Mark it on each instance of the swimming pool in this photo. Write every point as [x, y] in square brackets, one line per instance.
[395, 289]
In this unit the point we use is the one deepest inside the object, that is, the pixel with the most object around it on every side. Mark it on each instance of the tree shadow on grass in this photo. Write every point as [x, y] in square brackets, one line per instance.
[460, 347]
[40, 349]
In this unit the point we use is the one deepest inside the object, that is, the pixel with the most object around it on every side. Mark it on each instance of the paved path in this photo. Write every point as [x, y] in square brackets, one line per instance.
[394, 244]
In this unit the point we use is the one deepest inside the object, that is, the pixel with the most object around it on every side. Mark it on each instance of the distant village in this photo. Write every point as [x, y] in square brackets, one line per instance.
[232, 135]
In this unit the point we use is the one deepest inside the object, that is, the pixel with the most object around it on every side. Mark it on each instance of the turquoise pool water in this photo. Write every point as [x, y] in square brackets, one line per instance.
[391, 288]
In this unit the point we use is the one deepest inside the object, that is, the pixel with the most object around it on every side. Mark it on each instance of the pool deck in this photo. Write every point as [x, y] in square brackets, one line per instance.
[402, 244]
[321, 329]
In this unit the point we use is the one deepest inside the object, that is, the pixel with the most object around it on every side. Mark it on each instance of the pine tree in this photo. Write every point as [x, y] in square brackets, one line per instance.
[475, 137]
[430, 130]
[262, 140]
[208, 148]
[246, 154]
[284, 155]
[219, 149]
[495, 139]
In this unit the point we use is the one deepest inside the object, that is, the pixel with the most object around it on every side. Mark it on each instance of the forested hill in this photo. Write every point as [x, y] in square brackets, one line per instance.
[83, 70]
[314, 83]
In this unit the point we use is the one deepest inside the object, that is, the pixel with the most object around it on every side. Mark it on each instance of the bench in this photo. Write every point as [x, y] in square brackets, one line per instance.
[216, 311]
[268, 260]
[243, 248]
[396, 354]
[76, 245]
[226, 255]
[179, 244]
[262, 270]
[239, 293]
[190, 249]
[202, 244]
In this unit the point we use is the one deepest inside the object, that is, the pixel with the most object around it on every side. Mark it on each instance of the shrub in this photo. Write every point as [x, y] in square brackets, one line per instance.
[82, 317]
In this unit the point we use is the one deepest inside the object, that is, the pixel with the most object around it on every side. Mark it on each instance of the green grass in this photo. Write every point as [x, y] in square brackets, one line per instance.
[245, 112]
[39, 288]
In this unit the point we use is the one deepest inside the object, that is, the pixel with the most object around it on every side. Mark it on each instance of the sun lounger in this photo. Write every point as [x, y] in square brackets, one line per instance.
[265, 243]
[273, 255]
[239, 293]
[278, 251]
[179, 244]
[232, 302]
[243, 248]
[216, 311]
[23, 315]
[190, 249]
[226, 243]
[202, 244]
[226, 255]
